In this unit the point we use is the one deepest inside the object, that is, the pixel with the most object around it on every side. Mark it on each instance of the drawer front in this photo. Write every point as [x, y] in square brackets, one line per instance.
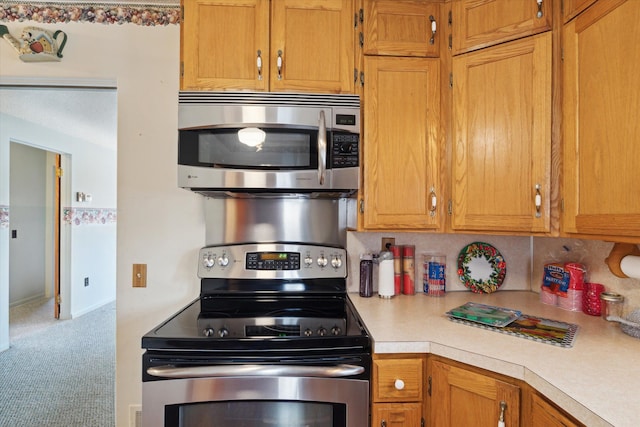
[398, 380]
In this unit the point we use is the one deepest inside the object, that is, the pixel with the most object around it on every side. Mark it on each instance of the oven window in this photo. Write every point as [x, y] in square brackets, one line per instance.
[256, 413]
[250, 148]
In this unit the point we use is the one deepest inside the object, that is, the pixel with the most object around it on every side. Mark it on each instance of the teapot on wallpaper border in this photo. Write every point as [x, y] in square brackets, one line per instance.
[36, 44]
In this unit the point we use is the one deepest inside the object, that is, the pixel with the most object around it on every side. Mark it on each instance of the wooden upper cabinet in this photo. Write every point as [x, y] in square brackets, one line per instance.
[481, 23]
[402, 152]
[401, 28]
[571, 8]
[601, 131]
[464, 397]
[314, 40]
[223, 42]
[501, 147]
[220, 40]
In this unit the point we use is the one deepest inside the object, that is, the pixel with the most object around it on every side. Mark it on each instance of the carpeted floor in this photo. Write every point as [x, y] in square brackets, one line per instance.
[60, 375]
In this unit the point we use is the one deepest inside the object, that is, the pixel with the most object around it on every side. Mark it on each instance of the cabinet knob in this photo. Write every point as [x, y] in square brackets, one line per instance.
[399, 384]
[539, 14]
[259, 64]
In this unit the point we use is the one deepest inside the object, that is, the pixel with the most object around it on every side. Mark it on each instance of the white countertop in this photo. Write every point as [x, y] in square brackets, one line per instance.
[597, 380]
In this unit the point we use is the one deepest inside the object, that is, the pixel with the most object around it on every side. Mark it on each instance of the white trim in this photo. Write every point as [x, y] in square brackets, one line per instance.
[58, 82]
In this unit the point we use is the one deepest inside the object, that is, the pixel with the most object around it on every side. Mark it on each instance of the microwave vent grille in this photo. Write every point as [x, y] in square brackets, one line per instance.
[268, 98]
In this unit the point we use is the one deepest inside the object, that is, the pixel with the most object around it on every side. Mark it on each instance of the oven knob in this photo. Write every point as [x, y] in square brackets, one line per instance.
[223, 332]
[322, 261]
[336, 262]
[322, 331]
[336, 330]
[208, 332]
[308, 261]
[208, 261]
[223, 261]
[308, 332]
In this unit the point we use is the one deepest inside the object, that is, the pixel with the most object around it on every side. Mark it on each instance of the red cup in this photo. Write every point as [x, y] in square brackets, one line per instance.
[576, 274]
[591, 303]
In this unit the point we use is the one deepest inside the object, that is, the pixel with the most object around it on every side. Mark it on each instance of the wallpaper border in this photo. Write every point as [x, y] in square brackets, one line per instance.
[144, 14]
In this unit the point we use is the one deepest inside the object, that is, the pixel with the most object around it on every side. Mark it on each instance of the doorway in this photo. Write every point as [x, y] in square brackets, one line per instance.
[79, 123]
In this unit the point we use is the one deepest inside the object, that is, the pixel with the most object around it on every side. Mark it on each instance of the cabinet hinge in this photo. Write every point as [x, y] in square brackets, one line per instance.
[421, 422]
[562, 54]
[450, 207]
[181, 13]
[355, 75]
[450, 18]
[361, 206]
[450, 42]
[362, 78]
[450, 80]
[181, 69]
[361, 15]
[59, 172]
[429, 386]
[58, 299]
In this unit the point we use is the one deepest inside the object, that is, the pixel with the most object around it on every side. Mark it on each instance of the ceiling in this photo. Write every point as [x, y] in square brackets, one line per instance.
[85, 113]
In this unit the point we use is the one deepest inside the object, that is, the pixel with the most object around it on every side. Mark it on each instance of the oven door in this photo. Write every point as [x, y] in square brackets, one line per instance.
[256, 401]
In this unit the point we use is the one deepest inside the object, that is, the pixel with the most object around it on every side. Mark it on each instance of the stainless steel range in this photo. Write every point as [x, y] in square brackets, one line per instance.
[273, 340]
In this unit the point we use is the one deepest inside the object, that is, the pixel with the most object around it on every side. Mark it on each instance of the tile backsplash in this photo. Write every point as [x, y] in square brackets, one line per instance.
[516, 251]
[525, 258]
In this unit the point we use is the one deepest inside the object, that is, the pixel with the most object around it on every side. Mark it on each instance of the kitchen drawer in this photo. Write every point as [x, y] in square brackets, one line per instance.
[398, 379]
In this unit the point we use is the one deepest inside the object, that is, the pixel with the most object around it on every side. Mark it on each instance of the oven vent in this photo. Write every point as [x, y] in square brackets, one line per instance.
[243, 98]
[135, 415]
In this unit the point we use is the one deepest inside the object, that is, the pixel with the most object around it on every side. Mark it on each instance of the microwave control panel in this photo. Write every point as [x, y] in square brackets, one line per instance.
[345, 150]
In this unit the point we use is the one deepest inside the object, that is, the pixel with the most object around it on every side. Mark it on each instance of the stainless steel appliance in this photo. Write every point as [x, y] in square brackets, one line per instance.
[273, 340]
[234, 143]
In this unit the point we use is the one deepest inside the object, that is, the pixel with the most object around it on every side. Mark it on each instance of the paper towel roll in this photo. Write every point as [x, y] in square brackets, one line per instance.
[386, 287]
[630, 265]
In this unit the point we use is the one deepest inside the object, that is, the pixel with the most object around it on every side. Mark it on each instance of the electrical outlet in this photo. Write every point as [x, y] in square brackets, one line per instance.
[139, 275]
[86, 281]
[387, 241]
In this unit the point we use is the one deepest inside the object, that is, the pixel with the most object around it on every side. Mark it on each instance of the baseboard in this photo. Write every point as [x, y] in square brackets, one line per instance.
[26, 300]
[90, 308]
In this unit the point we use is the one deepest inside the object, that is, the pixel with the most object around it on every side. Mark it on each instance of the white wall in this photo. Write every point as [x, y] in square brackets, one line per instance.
[158, 224]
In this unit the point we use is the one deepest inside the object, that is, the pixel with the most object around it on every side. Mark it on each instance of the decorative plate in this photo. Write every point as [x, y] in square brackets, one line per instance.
[481, 267]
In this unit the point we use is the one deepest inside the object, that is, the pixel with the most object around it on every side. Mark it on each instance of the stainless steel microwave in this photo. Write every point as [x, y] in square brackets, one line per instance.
[233, 143]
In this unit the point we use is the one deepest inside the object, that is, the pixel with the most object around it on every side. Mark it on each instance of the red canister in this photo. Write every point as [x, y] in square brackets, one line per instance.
[591, 303]
[408, 269]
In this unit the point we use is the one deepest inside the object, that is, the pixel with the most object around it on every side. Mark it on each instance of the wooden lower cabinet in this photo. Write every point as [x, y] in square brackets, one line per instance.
[397, 390]
[396, 415]
[538, 412]
[461, 395]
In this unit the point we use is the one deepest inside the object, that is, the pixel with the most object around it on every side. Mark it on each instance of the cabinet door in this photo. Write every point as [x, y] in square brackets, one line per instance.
[462, 397]
[502, 137]
[401, 152]
[313, 40]
[600, 121]
[401, 28]
[544, 414]
[482, 23]
[396, 415]
[571, 8]
[220, 41]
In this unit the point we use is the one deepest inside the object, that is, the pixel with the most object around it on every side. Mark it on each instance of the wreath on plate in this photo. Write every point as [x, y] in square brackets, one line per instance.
[495, 260]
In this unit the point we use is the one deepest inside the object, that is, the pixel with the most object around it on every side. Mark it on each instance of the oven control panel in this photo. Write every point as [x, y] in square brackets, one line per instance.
[272, 260]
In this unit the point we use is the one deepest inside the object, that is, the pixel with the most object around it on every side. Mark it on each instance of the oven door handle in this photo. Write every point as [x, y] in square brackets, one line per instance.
[169, 371]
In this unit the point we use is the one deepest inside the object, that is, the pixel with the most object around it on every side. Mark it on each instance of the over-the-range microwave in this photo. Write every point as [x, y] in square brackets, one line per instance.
[249, 143]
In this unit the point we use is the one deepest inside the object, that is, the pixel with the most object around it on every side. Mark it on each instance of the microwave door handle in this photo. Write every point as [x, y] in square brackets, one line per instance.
[322, 148]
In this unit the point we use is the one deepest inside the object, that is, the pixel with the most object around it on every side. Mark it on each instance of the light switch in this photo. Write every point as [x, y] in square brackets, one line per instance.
[139, 275]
